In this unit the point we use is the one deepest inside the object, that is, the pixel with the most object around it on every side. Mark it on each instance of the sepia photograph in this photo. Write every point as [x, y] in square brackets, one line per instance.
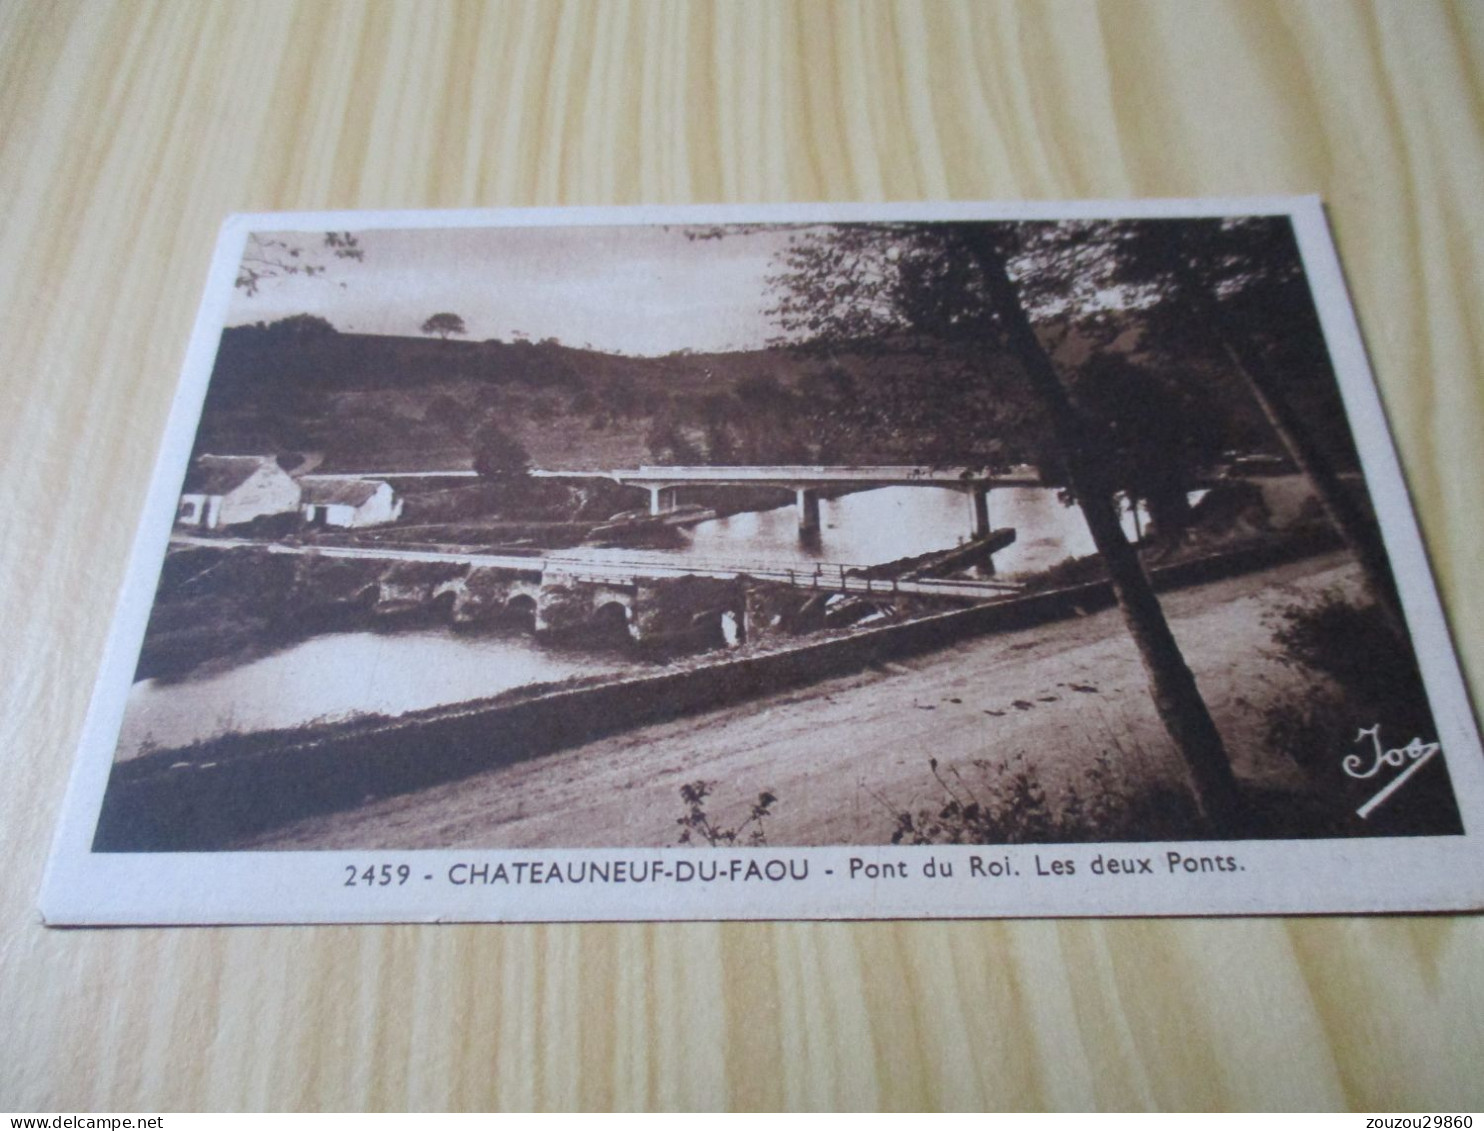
[773, 534]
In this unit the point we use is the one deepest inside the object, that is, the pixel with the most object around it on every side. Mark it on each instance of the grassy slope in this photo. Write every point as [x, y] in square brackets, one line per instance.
[393, 403]
[369, 401]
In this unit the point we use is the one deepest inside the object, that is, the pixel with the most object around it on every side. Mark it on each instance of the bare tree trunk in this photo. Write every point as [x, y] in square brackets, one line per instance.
[1170, 513]
[1172, 685]
[1171, 682]
[1360, 533]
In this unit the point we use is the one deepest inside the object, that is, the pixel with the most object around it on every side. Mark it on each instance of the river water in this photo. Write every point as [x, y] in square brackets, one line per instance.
[340, 674]
[883, 525]
[870, 527]
[335, 675]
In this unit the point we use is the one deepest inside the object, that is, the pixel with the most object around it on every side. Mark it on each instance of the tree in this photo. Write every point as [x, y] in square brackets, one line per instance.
[300, 328]
[769, 418]
[498, 456]
[668, 443]
[444, 324]
[1237, 287]
[954, 282]
[829, 397]
[716, 426]
[1163, 431]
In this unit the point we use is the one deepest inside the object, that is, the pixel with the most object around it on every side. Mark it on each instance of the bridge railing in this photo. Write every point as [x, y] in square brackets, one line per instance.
[717, 564]
[836, 576]
[802, 474]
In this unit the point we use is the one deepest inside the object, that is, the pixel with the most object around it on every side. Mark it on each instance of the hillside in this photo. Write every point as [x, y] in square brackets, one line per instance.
[395, 403]
[368, 402]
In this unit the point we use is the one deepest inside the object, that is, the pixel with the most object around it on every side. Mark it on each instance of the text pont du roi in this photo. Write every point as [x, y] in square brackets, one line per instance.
[1099, 865]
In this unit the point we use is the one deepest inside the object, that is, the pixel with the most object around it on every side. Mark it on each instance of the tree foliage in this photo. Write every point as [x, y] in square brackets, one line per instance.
[1236, 288]
[1161, 431]
[498, 456]
[910, 293]
[299, 329]
[267, 256]
[444, 324]
[982, 286]
[668, 443]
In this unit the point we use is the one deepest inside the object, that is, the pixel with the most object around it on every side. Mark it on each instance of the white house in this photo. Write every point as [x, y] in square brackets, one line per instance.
[226, 490]
[348, 502]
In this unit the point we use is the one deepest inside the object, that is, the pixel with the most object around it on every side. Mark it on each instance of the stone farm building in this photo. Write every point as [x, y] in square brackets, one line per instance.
[222, 491]
[227, 490]
[348, 502]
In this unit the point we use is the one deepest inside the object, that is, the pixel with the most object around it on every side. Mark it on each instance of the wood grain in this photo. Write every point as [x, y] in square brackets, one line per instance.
[127, 131]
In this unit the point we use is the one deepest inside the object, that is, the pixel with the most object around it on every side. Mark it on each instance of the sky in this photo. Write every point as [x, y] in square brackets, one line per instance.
[635, 289]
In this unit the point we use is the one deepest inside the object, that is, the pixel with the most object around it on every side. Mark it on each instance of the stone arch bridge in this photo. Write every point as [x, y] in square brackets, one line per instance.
[645, 597]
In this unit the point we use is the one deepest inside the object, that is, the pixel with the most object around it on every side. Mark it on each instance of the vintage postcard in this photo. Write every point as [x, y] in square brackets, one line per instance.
[789, 562]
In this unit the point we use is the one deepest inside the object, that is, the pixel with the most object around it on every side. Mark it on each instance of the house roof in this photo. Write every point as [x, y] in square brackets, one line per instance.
[221, 475]
[321, 491]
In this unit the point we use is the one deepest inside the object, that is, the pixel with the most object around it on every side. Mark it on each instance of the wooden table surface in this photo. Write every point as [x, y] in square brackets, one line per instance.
[128, 130]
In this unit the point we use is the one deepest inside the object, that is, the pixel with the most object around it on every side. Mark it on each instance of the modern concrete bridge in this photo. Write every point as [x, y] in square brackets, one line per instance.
[664, 483]
[805, 481]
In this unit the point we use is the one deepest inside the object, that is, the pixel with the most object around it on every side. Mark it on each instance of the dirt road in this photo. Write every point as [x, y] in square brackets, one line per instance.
[843, 755]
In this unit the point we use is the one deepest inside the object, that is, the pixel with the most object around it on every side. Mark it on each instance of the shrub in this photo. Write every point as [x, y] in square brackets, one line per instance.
[1067, 574]
[1005, 802]
[696, 825]
[1356, 673]
[498, 456]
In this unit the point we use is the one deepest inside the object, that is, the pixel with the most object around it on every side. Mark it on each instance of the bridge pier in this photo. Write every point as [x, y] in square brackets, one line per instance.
[979, 510]
[808, 503]
[662, 500]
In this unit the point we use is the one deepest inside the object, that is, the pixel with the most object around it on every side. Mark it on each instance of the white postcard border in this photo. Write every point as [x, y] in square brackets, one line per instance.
[1277, 876]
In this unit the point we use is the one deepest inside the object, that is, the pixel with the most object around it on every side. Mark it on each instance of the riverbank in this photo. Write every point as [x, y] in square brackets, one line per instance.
[205, 795]
[847, 754]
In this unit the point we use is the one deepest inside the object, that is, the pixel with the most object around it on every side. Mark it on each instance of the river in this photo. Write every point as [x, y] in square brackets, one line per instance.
[339, 674]
[886, 524]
